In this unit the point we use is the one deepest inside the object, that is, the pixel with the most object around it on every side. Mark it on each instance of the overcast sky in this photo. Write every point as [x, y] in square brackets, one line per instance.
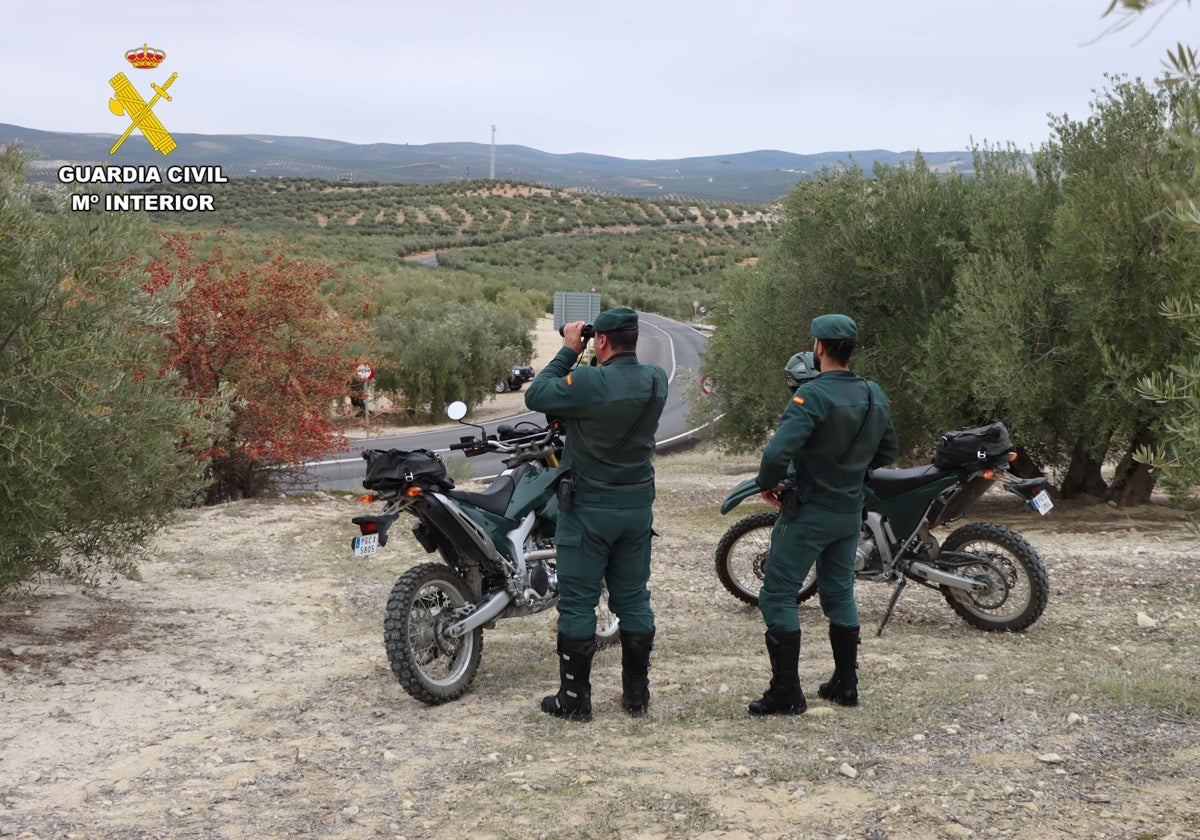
[635, 79]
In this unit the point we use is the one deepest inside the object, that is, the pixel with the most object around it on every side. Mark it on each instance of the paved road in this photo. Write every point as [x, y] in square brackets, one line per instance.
[674, 346]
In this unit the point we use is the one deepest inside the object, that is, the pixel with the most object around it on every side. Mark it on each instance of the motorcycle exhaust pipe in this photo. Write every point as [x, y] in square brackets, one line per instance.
[487, 612]
[928, 573]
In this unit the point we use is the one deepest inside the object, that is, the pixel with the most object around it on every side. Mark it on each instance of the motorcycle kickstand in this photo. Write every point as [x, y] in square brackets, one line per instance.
[892, 604]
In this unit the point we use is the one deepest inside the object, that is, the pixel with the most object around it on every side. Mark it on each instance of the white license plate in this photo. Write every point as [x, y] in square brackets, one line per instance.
[365, 545]
[1042, 503]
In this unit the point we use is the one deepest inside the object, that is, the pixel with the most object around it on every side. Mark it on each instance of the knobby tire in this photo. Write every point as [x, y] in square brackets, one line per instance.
[741, 558]
[431, 667]
[1004, 555]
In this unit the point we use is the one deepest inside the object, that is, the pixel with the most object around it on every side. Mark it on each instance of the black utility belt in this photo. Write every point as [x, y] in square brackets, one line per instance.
[791, 503]
[570, 493]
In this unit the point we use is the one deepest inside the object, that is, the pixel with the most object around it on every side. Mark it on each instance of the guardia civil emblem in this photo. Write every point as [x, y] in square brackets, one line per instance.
[129, 102]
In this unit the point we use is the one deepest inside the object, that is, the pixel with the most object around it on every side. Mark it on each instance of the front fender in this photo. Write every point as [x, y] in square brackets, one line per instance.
[739, 494]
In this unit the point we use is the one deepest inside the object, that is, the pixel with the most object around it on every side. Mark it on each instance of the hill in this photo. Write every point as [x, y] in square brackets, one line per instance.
[653, 254]
[753, 177]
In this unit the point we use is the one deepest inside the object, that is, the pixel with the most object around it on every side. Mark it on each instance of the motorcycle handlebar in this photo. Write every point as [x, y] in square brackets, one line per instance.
[511, 444]
[516, 442]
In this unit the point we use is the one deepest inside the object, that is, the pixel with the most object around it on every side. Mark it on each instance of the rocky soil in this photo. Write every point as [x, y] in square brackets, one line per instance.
[239, 688]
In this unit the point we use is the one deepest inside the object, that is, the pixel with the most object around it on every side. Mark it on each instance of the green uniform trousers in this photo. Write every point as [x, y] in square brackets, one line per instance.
[825, 537]
[598, 546]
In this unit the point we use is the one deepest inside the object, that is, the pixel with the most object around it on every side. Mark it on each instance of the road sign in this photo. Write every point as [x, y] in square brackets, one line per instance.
[575, 306]
[364, 372]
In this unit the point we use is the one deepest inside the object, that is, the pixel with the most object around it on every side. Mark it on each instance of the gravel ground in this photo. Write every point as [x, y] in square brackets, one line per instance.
[239, 688]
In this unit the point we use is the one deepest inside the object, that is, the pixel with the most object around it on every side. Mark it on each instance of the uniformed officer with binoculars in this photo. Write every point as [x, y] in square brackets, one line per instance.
[605, 503]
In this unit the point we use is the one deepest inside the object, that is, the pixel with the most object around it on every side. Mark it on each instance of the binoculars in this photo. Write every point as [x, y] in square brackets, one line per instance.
[588, 331]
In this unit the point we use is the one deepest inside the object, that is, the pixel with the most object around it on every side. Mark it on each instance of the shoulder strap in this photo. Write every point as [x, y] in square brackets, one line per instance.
[866, 417]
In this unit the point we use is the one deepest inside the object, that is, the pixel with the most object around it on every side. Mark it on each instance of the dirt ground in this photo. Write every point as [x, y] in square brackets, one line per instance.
[239, 688]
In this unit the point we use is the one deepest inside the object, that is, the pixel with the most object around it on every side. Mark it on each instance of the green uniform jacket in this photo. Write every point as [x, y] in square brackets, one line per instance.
[818, 427]
[601, 405]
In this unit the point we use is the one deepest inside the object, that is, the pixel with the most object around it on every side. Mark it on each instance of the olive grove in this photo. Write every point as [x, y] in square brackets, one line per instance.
[1028, 292]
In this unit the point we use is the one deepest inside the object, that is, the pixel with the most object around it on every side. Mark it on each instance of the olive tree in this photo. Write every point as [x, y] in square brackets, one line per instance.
[881, 250]
[1176, 388]
[91, 428]
[990, 346]
[1115, 259]
[435, 352]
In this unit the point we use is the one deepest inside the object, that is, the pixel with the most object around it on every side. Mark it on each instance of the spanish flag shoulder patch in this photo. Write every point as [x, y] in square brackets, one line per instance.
[798, 400]
[570, 379]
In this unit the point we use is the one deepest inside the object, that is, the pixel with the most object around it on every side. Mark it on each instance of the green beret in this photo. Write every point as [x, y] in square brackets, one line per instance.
[618, 318]
[832, 328]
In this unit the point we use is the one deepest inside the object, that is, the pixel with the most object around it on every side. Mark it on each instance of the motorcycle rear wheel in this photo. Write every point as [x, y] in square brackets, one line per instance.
[741, 558]
[1018, 587]
[431, 666]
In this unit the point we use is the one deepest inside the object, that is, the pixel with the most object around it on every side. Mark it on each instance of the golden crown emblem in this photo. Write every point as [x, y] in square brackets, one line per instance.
[145, 57]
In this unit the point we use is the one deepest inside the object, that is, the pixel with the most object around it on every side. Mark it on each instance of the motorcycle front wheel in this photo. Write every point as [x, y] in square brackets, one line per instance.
[741, 558]
[433, 667]
[1017, 585]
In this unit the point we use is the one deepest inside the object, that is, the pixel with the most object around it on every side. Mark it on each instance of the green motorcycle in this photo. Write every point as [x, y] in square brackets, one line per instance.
[989, 575]
[496, 547]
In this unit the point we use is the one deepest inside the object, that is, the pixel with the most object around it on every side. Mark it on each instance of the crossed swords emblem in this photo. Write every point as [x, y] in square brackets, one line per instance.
[129, 101]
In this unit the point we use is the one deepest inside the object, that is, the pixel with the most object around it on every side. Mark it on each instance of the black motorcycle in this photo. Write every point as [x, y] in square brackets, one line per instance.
[989, 574]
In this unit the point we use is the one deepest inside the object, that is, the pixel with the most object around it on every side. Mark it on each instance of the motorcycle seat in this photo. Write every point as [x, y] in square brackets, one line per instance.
[886, 483]
[494, 499]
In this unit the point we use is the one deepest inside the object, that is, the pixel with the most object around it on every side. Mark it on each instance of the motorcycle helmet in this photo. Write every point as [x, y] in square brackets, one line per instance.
[800, 368]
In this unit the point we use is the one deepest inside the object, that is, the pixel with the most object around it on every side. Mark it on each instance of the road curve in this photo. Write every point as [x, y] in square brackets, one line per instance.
[675, 346]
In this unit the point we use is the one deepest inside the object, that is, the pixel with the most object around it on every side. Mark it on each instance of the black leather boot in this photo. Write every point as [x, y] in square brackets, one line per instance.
[574, 698]
[635, 665]
[842, 687]
[784, 696]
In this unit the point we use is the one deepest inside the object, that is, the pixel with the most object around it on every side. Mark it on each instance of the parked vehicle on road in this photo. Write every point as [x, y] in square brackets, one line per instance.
[519, 375]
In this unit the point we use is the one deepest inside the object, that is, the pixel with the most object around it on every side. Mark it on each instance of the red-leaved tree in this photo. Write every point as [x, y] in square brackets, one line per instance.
[263, 334]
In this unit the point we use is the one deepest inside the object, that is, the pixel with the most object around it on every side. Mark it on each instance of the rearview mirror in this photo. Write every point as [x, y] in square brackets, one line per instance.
[457, 410]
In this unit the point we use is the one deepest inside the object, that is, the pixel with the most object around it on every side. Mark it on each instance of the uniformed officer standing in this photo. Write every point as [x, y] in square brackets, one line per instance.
[836, 426]
[612, 413]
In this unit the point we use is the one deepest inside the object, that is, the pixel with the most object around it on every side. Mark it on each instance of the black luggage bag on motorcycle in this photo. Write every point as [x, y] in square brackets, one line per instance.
[396, 469]
[964, 448]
